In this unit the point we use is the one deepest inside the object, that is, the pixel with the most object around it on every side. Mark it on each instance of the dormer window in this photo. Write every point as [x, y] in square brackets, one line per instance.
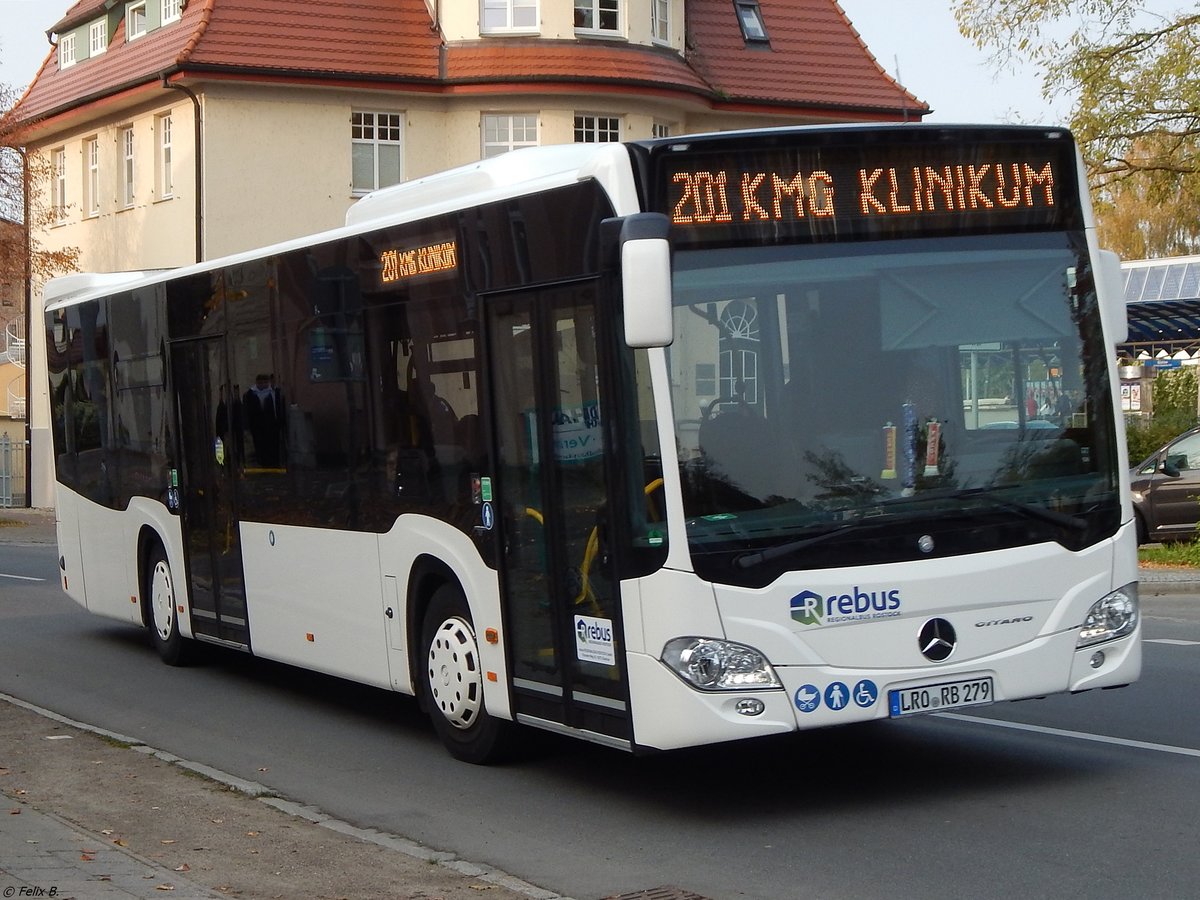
[135, 20]
[66, 51]
[171, 10]
[754, 30]
[97, 37]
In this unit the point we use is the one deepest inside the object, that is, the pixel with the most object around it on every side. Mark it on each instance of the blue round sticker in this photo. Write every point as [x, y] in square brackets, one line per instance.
[865, 693]
[837, 696]
[808, 698]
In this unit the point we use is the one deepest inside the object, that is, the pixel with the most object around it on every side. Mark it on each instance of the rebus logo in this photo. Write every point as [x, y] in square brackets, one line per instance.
[810, 608]
[591, 631]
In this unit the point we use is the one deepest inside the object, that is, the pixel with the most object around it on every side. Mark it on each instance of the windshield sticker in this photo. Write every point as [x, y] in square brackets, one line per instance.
[811, 608]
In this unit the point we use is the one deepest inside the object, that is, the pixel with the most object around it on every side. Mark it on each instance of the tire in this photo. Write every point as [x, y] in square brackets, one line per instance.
[162, 616]
[1142, 536]
[451, 681]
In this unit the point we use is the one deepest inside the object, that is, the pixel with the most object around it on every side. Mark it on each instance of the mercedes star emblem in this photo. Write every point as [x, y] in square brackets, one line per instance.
[937, 639]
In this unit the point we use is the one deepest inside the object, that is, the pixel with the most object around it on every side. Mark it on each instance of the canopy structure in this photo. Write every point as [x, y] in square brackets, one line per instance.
[1162, 303]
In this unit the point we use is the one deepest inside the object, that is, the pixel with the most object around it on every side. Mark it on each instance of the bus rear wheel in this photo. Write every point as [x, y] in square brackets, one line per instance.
[452, 681]
[164, 618]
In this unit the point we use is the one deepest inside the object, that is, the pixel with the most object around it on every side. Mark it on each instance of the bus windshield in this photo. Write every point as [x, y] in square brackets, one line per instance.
[879, 401]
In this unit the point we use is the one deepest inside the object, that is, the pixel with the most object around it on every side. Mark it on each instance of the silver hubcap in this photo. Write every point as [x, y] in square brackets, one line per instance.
[162, 600]
[455, 681]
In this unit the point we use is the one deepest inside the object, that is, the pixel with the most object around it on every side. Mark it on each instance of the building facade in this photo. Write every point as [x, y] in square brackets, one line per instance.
[183, 130]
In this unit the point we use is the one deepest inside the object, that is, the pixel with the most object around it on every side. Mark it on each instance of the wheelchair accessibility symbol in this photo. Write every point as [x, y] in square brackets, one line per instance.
[865, 694]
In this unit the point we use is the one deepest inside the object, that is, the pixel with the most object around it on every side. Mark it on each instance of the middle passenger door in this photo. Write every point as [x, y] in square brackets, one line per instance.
[554, 491]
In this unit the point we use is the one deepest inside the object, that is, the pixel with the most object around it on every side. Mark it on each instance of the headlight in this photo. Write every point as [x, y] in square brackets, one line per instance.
[715, 665]
[1110, 617]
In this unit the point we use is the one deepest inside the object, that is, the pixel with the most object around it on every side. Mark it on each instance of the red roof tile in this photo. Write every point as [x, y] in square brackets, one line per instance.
[815, 59]
[523, 61]
[379, 38]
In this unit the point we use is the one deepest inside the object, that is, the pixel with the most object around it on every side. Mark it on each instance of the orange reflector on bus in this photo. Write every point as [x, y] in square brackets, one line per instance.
[133, 599]
[309, 637]
[491, 635]
[491, 676]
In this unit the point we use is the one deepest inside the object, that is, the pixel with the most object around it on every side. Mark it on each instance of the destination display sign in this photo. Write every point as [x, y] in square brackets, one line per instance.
[868, 190]
[398, 265]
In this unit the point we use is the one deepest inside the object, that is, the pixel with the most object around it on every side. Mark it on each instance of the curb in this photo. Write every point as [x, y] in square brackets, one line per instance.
[1168, 581]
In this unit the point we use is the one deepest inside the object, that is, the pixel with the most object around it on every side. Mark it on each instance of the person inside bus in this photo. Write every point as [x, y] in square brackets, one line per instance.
[264, 415]
[427, 442]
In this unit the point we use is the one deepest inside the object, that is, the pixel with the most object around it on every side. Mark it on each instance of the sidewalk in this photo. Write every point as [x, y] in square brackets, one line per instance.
[27, 526]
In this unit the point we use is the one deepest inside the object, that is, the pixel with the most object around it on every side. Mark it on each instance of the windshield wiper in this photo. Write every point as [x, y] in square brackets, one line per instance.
[1026, 509]
[748, 560]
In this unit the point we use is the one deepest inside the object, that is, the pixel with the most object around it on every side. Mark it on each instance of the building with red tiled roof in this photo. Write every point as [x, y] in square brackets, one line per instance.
[186, 129]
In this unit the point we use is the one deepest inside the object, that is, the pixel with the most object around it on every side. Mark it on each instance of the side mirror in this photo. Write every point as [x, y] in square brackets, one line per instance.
[1110, 292]
[1170, 467]
[646, 280]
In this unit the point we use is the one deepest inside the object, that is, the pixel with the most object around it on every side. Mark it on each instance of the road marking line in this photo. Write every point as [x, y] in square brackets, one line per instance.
[1172, 641]
[1078, 735]
[20, 577]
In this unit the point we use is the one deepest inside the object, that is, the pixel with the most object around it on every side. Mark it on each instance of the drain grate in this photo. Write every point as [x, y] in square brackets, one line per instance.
[666, 892]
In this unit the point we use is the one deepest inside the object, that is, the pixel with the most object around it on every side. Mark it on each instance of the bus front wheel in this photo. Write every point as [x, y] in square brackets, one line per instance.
[164, 618]
[452, 681]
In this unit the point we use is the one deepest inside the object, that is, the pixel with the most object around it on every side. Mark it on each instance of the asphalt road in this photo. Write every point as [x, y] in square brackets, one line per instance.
[1089, 796]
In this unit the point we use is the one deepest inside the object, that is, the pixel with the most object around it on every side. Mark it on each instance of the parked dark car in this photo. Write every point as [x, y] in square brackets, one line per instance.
[1166, 491]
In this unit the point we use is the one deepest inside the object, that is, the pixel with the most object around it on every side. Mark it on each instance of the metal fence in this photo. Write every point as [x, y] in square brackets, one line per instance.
[12, 473]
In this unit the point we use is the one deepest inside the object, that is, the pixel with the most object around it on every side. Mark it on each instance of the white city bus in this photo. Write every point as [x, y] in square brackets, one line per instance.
[656, 444]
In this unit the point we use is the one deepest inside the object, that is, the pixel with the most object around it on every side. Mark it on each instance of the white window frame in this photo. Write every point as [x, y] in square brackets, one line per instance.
[597, 9]
[511, 124]
[659, 129]
[91, 177]
[601, 129]
[128, 170]
[660, 21]
[98, 37]
[172, 11]
[391, 124]
[58, 183]
[66, 51]
[166, 181]
[512, 10]
[131, 12]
